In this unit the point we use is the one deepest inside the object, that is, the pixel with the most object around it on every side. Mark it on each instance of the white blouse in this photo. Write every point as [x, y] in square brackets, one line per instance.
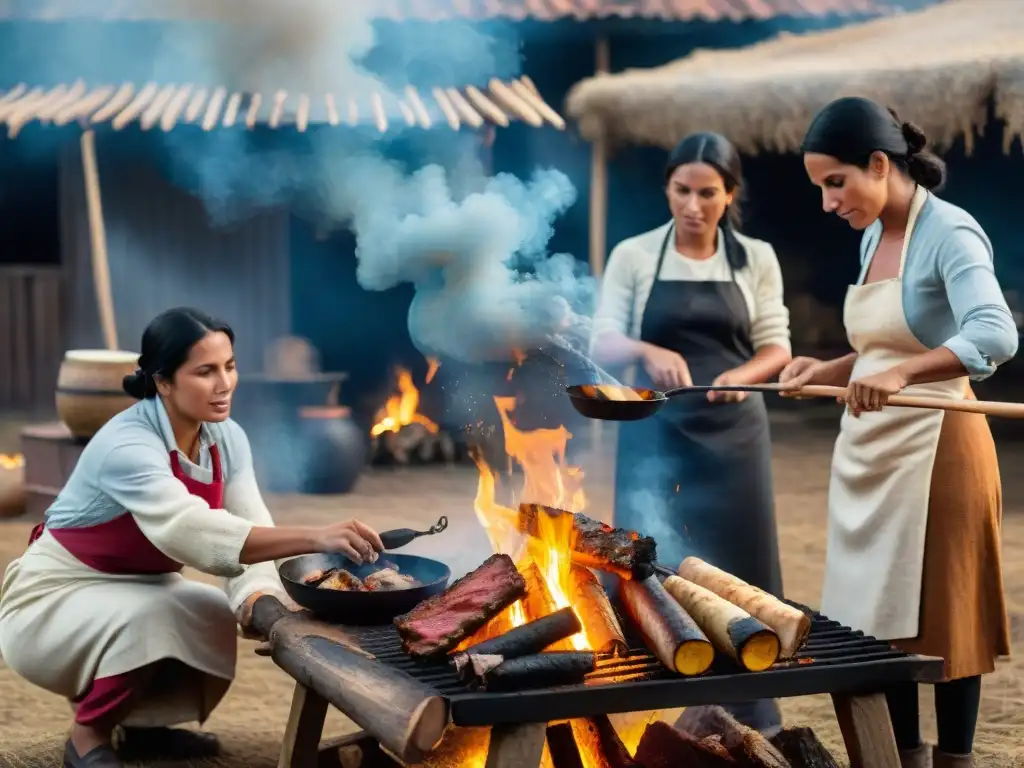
[629, 277]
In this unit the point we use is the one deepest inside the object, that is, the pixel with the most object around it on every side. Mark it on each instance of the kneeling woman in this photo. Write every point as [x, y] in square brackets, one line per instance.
[97, 610]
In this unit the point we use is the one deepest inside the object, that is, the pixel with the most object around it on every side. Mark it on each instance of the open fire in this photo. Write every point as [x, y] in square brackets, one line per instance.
[402, 433]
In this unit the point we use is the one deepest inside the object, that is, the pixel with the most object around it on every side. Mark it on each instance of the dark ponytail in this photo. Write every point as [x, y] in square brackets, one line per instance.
[166, 344]
[717, 151]
[851, 129]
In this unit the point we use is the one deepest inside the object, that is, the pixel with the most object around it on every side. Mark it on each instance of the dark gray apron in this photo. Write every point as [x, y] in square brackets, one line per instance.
[697, 475]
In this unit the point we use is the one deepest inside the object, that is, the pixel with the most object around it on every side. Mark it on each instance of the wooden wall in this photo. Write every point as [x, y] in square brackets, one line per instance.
[32, 325]
[164, 252]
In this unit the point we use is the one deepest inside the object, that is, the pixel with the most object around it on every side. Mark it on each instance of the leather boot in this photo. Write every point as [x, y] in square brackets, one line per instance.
[942, 759]
[919, 757]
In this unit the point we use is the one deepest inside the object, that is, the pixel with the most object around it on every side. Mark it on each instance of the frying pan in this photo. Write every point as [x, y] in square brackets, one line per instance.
[364, 608]
[592, 403]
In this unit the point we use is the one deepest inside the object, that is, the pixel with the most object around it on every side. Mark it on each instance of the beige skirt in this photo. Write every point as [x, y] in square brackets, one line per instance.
[963, 608]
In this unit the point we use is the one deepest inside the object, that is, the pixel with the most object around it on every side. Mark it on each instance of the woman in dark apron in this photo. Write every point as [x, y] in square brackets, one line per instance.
[696, 302]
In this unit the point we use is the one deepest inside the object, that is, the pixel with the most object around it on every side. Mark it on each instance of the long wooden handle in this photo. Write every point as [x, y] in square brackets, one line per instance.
[97, 232]
[406, 716]
[986, 407]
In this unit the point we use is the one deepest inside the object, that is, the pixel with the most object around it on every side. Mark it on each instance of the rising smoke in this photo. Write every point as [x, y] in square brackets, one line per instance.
[474, 247]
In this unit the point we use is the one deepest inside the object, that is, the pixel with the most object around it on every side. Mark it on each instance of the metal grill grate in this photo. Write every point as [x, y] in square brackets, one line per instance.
[835, 659]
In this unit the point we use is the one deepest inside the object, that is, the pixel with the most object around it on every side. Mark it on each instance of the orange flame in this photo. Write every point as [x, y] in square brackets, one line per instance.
[432, 365]
[400, 410]
[11, 461]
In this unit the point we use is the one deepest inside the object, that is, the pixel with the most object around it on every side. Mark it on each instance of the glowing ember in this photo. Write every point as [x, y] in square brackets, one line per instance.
[401, 409]
[11, 461]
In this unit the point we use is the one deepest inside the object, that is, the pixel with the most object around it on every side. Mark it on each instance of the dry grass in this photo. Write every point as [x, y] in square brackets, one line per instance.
[251, 719]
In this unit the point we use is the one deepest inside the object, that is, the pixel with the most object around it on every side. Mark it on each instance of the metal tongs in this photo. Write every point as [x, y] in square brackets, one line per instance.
[399, 537]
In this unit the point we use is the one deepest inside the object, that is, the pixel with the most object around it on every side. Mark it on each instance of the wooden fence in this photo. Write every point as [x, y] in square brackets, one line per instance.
[32, 337]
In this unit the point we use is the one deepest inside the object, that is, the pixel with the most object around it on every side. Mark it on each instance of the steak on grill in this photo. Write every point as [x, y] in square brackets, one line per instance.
[440, 623]
[595, 544]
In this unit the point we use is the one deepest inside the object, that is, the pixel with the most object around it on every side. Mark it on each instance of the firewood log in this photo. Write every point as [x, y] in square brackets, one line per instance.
[803, 750]
[663, 746]
[599, 741]
[747, 747]
[562, 747]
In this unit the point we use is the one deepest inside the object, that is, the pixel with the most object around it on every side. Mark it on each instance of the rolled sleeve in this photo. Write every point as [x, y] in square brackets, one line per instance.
[987, 335]
[182, 526]
[614, 312]
[770, 326]
[242, 498]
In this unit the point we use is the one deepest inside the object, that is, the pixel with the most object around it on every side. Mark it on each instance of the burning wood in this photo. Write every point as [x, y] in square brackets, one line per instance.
[669, 631]
[789, 623]
[803, 750]
[750, 643]
[562, 747]
[663, 746]
[595, 544]
[538, 601]
[439, 624]
[600, 744]
[746, 746]
[402, 433]
[591, 601]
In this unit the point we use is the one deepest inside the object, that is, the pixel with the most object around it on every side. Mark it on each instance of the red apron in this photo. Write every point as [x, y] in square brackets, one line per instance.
[120, 546]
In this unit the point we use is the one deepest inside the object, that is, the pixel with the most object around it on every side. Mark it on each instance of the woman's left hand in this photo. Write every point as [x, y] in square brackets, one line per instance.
[873, 392]
[726, 380]
[244, 614]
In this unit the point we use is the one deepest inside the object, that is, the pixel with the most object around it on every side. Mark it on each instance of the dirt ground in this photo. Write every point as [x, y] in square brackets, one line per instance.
[251, 720]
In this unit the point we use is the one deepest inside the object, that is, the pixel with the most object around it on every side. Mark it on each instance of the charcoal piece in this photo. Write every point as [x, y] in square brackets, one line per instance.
[803, 750]
[562, 747]
[440, 623]
[746, 746]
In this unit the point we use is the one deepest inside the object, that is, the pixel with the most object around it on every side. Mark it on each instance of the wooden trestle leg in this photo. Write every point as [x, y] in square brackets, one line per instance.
[867, 730]
[300, 748]
[516, 746]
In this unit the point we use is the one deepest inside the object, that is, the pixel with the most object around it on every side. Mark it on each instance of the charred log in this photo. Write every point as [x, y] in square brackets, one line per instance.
[595, 544]
[663, 746]
[562, 747]
[439, 624]
[670, 633]
[539, 670]
[532, 637]
[598, 739]
[746, 746]
[803, 750]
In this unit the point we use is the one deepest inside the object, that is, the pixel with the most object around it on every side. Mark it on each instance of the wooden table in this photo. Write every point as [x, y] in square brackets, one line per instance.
[404, 714]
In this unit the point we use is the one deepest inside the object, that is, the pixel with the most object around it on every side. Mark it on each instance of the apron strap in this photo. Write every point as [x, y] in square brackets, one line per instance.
[916, 204]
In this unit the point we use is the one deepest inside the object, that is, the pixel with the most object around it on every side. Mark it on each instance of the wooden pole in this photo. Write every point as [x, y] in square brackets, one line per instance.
[598, 235]
[98, 237]
[599, 176]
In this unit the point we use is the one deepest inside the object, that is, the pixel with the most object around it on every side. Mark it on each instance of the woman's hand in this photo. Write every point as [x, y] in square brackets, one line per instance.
[244, 613]
[666, 368]
[873, 392]
[725, 380]
[356, 540]
[800, 372]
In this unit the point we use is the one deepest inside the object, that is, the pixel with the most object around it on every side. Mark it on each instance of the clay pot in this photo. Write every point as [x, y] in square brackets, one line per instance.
[89, 391]
[12, 490]
[322, 452]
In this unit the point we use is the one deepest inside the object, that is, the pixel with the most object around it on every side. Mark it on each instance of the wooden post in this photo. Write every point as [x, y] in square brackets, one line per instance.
[516, 746]
[98, 236]
[300, 748]
[867, 731]
[598, 235]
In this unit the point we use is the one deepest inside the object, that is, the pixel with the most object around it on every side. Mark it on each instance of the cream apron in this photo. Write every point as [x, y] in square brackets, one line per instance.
[881, 471]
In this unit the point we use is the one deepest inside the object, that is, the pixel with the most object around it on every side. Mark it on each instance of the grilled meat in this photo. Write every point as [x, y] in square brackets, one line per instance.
[440, 623]
[342, 581]
[388, 579]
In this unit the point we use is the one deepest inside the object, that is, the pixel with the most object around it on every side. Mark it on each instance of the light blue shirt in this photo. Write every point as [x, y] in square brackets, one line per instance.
[951, 297]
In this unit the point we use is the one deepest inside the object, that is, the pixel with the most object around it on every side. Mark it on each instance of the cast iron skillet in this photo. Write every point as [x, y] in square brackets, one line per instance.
[589, 401]
[367, 607]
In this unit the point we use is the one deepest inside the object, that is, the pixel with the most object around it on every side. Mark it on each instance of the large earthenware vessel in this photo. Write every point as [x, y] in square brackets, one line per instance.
[89, 391]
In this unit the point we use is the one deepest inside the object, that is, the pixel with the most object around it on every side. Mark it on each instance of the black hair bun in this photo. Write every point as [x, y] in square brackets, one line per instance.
[916, 140]
[139, 385]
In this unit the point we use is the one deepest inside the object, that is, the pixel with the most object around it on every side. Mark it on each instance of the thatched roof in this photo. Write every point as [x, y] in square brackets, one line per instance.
[166, 106]
[475, 10]
[937, 67]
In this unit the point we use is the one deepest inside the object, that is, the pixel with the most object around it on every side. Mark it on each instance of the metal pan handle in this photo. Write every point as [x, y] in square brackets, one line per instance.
[399, 537]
